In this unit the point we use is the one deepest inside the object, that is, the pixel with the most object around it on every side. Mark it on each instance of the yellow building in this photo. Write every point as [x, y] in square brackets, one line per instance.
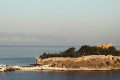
[105, 45]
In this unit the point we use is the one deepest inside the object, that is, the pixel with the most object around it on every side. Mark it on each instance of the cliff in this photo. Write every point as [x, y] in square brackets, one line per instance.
[93, 61]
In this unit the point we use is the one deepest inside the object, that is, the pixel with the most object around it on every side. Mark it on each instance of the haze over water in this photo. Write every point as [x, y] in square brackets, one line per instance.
[59, 22]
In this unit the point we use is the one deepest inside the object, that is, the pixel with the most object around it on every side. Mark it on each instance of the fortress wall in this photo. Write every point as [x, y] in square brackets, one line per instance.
[105, 45]
[109, 57]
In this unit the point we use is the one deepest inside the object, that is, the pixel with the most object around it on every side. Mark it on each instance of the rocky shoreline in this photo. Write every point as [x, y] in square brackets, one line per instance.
[94, 69]
[84, 63]
[93, 62]
[65, 69]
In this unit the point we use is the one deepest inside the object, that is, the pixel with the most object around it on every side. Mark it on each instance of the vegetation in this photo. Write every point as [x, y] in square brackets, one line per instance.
[108, 63]
[83, 51]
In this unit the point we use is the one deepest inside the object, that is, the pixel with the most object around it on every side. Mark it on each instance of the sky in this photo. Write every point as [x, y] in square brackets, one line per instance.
[59, 22]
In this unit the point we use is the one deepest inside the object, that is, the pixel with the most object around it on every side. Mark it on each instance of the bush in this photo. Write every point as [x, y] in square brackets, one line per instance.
[108, 63]
[112, 58]
[118, 60]
[115, 62]
[102, 64]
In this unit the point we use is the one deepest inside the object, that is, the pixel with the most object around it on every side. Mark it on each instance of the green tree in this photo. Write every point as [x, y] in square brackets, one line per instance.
[84, 50]
[71, 50]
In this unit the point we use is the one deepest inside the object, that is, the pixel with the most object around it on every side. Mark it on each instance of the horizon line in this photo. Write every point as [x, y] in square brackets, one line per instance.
[45, 45]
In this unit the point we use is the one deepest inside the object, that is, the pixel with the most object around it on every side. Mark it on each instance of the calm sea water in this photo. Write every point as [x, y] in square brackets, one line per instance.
[28, 51]
[54, 75]
[16, 55]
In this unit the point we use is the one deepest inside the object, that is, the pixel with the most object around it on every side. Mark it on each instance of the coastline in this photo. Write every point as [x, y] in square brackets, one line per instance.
[74, 69]
[95, 69]
[85, 63]
[46, 67]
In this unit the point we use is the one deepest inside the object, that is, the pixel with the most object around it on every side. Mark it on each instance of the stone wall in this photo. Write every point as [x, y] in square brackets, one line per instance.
[38, 60]
[93, 60]
[105, 45]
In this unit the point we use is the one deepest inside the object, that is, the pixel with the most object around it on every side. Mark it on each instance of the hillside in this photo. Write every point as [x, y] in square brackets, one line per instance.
[86, 56]
[93, 61]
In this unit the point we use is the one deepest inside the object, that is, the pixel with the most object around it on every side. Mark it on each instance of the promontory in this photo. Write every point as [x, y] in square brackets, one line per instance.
[101, 57]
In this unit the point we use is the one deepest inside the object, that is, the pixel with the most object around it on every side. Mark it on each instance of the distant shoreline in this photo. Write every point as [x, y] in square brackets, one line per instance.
[35, 46]
[38, 46]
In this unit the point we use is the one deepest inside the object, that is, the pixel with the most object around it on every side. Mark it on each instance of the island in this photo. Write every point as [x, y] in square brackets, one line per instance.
[101, 57]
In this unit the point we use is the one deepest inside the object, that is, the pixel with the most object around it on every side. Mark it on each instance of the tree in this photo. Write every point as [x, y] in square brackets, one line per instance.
[84, 50]
[112, 48]
[44, 54]
[71, 50]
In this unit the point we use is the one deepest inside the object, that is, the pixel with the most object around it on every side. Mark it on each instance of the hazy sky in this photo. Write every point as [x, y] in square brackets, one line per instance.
[59, 22]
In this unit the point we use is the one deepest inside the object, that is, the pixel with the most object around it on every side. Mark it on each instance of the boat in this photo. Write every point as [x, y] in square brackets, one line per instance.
[10, 69]
[3, 68]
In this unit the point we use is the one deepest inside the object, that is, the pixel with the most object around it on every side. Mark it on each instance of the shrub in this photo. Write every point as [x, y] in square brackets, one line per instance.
[112, 58]
[118, 60]
[102, 64]
[108, 63]
[115, 62]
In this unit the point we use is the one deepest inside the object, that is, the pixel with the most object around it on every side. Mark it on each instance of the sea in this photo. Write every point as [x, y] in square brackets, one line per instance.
[25, 55]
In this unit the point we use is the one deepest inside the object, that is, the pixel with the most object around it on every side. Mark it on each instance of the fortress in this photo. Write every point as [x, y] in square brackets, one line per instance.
[109, 57]
[105, 45]
[93, 61]
[84, 61]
